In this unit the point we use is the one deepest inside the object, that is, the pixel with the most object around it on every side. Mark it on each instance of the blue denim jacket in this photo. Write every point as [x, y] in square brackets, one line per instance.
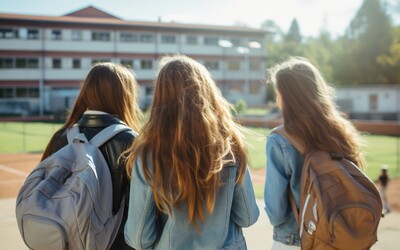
[235, 207]
[284, 165]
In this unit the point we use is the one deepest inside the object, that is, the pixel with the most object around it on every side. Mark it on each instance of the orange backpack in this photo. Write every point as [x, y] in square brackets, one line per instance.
[340, 207]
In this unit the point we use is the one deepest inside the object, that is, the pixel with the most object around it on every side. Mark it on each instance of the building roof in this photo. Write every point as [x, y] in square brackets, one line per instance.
[90, 12]
[93, 17]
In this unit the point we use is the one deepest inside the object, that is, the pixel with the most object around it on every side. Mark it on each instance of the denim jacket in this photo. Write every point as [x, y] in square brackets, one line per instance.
[284, 165]
[235, 207]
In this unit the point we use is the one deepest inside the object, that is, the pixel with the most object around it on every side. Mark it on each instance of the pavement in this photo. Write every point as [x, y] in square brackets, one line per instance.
[258, 236]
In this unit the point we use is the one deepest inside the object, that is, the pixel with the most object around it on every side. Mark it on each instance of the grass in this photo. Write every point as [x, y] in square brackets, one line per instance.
[18, 137]
[378, 150]
[255, 111]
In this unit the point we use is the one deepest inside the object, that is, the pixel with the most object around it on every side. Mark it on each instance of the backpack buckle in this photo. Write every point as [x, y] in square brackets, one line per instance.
[311, 227]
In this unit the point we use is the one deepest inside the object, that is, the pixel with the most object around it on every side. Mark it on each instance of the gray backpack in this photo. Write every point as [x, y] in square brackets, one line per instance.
[66, 202]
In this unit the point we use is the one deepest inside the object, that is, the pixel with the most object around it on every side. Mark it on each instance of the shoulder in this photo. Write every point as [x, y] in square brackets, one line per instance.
[126, 136]
[279, 143]
[275, 139]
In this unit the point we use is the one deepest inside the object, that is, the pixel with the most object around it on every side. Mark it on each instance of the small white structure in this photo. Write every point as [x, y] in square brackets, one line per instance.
[376, 102]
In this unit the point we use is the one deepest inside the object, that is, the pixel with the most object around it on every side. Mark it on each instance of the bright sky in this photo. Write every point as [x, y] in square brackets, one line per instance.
[312, 15]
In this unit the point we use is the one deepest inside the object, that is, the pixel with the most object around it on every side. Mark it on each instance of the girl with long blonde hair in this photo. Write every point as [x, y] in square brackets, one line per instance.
[312, 119]
[190, 185]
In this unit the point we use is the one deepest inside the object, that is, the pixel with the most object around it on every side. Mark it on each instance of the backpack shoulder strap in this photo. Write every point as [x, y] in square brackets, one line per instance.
[281, 130]
[73, 134]
[108, 133]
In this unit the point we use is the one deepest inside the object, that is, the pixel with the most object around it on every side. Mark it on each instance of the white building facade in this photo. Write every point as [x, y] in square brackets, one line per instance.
[377, 102]
[44, 59]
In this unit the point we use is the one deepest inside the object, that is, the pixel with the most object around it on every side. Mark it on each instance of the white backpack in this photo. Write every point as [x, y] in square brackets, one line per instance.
[66, 202]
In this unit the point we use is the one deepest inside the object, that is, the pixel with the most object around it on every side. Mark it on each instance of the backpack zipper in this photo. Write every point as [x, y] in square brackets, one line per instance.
[303, 213]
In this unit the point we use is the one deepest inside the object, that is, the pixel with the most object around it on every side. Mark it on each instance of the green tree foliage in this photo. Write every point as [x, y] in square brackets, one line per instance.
[391, 62]
[368, 37]
[294, 32]
[368, 53]
[319, 52]
[281, 46]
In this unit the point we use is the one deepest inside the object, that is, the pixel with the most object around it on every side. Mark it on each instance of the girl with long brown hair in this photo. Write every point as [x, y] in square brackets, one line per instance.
[312, 119]
[107, 96]
[191, 188]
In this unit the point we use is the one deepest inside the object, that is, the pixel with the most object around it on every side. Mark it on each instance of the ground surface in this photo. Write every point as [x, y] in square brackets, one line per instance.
[14, 168]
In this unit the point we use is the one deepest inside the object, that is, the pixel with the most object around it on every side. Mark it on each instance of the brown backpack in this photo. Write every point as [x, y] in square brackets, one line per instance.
[340, 207]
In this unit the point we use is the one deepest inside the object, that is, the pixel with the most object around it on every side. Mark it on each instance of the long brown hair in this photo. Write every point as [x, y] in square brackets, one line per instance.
[189, 138]
[110, 88]
[309, 112]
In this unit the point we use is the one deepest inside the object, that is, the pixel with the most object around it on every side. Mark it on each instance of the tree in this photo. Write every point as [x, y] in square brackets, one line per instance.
[319, 51]
[391, 63]
[368, 37]
[293, 34]
[279, 49]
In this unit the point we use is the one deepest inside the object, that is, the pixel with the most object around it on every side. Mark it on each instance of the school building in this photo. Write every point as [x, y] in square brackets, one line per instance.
[44, 59]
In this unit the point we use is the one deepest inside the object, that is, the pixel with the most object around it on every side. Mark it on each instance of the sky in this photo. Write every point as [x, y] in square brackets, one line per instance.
[312, 15]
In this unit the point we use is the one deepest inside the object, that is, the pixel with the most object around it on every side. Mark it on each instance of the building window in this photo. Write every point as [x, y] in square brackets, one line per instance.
[6, 63]
[128, 37]
[127, 63]
[211, 40]
[24, 92]
[6, 93]
[33, 63]
[168, 38]
[149, 91]
[146, 38]
[101, 36]
[56, 63]
[33, 34]
[236, 87]
[254, 88]
[76, 63]
[234, 66]
[211, 65]
[191, 40]
[100, 60]
[255, 66]
[235, 41]
[21, 92]
[20, 63]
[33, 92]
[8, 33]
[76, 35]
[146, 64]
[56, 35]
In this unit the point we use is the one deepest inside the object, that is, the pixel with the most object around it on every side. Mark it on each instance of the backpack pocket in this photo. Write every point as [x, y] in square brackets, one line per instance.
[43, 233]
[353, 223]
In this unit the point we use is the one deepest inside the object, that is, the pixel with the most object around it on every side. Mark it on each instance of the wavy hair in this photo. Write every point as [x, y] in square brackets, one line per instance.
[189, 138]
[309, 111]
[110, 88]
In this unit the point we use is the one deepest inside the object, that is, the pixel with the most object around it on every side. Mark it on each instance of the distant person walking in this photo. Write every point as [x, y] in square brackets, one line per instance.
[311, 117]
[190, 183]
[383, 181]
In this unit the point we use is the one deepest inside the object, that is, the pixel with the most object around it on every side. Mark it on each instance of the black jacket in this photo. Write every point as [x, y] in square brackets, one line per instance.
[90, 125]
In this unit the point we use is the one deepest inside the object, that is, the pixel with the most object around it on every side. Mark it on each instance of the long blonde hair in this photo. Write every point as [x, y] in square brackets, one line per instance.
[110, 88]
[189, 138]
[310, 114]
